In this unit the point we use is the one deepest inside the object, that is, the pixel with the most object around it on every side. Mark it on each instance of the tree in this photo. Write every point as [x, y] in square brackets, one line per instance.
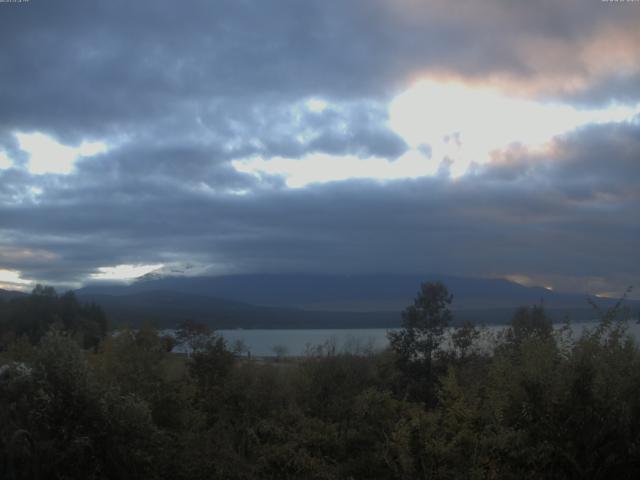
[194, 336]
[423, 327]
[138, 363]
[210, 365]
[57, 420]
[32, 316]
[463, 339]
[529, 322]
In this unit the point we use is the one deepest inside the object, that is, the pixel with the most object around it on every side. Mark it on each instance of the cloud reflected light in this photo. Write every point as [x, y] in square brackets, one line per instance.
[449, 122]
[49, 156]
[124, 272]
[465, 123]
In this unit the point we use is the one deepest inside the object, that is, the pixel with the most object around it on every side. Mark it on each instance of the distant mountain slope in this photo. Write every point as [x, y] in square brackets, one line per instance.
[318, 301]
[167, 308]
[355, 292]
[9, 294]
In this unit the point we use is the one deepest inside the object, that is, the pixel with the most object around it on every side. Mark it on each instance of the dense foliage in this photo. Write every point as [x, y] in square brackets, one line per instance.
[31, 316]
[533, 402]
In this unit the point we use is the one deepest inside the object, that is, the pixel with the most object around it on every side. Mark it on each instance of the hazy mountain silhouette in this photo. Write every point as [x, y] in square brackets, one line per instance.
[9, 294]
[166, 308]
[315, 301]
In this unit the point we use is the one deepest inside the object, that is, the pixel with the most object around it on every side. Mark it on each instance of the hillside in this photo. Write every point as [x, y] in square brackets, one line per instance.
[167, 308]
[9, 294]
[318, 301]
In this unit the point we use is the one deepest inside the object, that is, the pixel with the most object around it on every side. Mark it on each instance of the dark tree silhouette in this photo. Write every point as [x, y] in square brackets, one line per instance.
[423, 327]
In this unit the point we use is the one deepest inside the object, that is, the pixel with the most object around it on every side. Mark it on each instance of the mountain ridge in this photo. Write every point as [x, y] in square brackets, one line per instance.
[322, 291]
[320, 301]
[9, 294]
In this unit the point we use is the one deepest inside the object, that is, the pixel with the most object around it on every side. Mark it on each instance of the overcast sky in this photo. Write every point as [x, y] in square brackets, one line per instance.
[468, 137]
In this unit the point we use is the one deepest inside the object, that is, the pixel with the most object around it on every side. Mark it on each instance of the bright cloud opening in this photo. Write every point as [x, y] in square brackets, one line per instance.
[49, 156]
[449, 122]
[319, 168]
[124, 271]
[10, 279]
[465, 123]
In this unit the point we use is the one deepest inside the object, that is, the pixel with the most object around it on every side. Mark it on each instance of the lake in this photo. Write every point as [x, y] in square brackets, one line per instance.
[263, 343]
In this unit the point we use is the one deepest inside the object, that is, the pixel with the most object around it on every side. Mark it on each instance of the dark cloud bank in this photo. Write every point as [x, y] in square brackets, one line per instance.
[181, 90]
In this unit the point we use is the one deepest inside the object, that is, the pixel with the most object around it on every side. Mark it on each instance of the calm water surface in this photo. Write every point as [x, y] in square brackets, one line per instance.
[265, 343]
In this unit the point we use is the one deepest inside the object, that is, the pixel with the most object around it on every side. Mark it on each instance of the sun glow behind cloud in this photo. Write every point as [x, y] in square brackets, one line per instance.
[316, 105]
[11, 280]
[124, 271]
[442, 121]
[465, 123]
[46, 155]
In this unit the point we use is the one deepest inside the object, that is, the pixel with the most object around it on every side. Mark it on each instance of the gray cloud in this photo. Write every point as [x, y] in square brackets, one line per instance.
[566, 213]
[180, 90]
[81, 69]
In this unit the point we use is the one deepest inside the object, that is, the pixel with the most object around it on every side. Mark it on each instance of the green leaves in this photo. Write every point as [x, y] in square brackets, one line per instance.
[33, 315]
[422, 332]
[541, 404]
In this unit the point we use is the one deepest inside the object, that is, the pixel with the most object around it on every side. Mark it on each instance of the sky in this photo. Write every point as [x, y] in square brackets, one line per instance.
[484, 138]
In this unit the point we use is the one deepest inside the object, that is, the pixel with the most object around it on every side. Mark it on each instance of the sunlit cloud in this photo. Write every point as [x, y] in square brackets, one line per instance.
[11, 279]
[448, 126]
[465, 123]
[574, 283]
[5, 161]
[124, 271]
[49, 156]
[317, 105]
[321, 168]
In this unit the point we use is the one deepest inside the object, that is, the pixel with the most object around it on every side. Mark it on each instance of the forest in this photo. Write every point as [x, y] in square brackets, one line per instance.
[80, 401]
